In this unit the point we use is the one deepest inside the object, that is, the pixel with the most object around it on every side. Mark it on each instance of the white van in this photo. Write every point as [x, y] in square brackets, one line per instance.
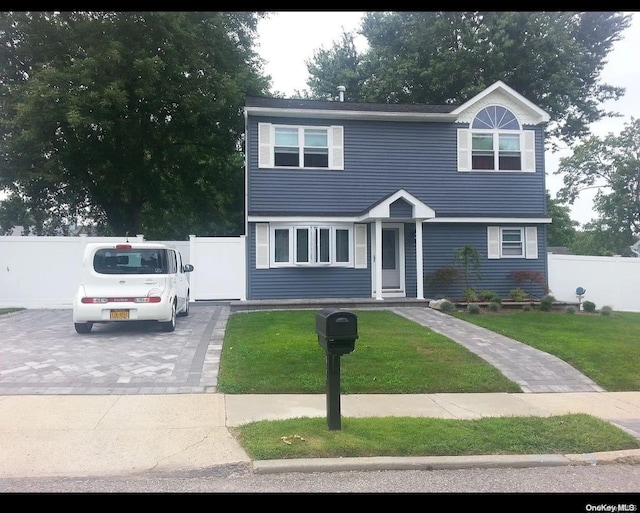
[138, 281]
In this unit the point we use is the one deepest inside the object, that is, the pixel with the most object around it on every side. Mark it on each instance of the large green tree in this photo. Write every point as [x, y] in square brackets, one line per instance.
[552, 58]
[131, 120]
[562, 229]
[611, 165]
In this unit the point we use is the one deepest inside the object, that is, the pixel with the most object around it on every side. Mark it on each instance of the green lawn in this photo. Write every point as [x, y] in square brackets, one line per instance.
[604, 348]
[277, 352]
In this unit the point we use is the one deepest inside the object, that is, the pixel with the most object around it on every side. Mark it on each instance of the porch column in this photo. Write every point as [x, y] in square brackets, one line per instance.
[419, 267]
[378, 262]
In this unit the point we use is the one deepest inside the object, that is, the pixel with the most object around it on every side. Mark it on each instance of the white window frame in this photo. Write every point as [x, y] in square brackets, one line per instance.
[528, 240]
[509, 244]
[266, 146]
[496, 134]
[313, 241]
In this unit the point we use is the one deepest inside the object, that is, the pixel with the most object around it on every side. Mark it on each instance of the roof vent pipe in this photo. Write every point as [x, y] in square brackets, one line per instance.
[341, 90]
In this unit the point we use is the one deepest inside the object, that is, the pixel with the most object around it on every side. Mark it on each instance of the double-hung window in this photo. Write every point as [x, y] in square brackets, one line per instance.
[496, 142]
[301, 147]
[309, 147]
[312, 245]
[512, 242]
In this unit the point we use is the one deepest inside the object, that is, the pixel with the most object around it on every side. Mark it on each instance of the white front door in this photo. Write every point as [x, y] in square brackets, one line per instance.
[393, 283]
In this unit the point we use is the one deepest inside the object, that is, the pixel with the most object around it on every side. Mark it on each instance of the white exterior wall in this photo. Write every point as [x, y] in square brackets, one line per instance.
[613, 281]
[44, 272]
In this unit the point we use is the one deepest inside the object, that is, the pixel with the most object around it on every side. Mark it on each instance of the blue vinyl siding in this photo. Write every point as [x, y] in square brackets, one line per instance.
[381, 157]
[441, 242]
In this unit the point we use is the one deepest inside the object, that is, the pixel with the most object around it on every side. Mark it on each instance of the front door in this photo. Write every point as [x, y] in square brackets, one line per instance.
[390, 259]
[393, 282]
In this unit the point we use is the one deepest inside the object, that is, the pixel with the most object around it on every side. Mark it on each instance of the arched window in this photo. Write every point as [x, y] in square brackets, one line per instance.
[495, 140]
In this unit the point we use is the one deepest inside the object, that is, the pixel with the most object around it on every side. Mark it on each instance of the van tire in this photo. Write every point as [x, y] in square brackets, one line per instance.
[170, 326]
[83, 327]
[185, 312]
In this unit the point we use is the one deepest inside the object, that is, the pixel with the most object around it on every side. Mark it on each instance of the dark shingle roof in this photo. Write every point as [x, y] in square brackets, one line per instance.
[285, 103]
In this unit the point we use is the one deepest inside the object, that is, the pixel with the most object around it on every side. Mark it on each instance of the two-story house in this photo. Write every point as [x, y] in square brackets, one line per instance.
[357, 200]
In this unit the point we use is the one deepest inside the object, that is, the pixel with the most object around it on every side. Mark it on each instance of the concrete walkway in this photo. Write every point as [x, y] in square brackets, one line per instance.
[532, 369]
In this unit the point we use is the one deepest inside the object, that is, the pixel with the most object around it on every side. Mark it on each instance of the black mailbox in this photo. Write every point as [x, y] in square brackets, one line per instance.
[337, 330]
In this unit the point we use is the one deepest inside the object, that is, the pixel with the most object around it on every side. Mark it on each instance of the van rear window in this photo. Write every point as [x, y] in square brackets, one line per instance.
[132, 261]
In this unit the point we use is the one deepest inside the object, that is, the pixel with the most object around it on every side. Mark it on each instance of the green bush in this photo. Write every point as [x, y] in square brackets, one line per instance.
[589, 306]
[489, 295]
[518, 295]
[494, 306]
[547, 303]
[570, 309]
[470, 294]
[473, 309]
[606, 311]
[447, 307]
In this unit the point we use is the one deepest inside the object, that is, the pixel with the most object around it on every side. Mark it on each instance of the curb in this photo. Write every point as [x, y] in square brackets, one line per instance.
[629, 457]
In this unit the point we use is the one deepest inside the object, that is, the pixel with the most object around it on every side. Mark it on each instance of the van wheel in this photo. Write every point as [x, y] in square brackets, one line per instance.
[185, 312]
[170, 325]
[83, 327]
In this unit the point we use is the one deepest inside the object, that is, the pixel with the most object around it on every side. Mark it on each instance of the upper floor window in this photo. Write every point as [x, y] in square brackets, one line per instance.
[496, 142]
[301, 147]
[289, 146]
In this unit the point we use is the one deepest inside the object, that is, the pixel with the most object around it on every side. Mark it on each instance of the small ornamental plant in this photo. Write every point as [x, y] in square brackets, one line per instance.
[589, 306]
[547, 303]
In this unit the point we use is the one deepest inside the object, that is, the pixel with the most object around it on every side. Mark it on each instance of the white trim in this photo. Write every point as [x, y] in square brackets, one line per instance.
[541, 115]
[484, 220]
[420, 210]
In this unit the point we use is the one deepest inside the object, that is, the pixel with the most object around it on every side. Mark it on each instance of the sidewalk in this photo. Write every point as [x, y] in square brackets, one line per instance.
[46, 436]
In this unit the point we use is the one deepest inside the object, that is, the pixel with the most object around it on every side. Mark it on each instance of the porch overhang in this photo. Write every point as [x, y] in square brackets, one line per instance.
[382, 209]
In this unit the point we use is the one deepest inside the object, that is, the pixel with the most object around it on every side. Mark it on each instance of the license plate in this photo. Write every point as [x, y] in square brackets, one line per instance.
[119, 314]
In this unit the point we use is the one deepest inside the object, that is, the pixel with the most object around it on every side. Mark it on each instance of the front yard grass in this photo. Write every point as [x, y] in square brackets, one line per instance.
[277, 352]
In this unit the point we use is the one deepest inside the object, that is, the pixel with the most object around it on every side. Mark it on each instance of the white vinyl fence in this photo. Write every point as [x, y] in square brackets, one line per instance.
[44, 272]
[612, 281]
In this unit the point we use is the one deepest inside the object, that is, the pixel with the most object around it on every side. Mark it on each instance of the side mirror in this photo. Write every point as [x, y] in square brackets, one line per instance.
[187, 268]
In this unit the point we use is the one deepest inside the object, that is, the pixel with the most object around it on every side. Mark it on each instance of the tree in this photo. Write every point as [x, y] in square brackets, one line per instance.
[469, 259]
[562, 229]
[131, 121]
[552, 58]
[612, 166]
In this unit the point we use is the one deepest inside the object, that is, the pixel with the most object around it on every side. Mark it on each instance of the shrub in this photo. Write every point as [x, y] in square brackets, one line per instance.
[547, 303]
[518, 295]
[447, 307]
[445, 277]
[530, 277]
[473, 309]
[570, 309]
[589, 306]
[606, 310]
[494, 306]
[489, 295]
[470, 294]
[527, 308]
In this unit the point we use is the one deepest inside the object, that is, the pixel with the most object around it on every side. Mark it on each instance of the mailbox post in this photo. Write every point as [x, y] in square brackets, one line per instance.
[337, 332]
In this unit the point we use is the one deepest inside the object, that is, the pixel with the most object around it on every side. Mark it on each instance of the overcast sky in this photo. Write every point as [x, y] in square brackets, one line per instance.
[288, 39]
